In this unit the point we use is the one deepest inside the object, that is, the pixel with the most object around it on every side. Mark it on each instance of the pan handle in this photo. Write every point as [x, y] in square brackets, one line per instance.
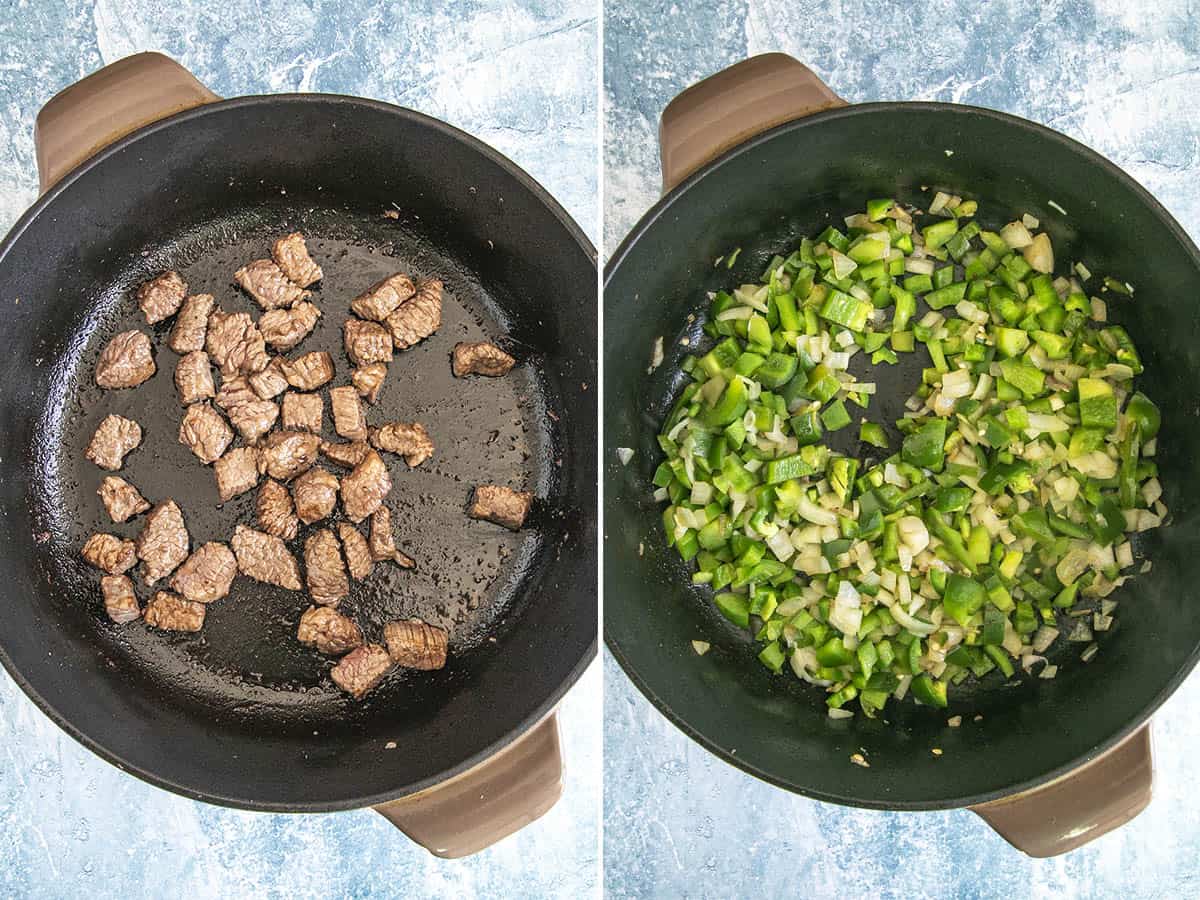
[80, 120]
[496, 798]
[1080, 806]
[733, 106]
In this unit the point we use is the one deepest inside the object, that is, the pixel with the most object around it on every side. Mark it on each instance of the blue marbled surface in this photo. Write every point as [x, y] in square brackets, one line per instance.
[521, 76]
[1123, 78]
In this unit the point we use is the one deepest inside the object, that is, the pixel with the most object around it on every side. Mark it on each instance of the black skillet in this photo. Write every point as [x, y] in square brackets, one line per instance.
[1051, 764]
[240, 714]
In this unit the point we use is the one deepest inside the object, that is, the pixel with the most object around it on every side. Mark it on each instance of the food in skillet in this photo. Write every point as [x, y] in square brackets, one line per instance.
[990, 533]
[259, 421]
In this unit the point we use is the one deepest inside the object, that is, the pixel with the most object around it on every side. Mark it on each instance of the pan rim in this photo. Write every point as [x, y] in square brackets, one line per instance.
[649, 219]
[553, 698]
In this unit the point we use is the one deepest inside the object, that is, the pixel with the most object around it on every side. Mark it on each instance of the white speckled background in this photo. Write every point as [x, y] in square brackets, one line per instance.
[521, 76]
[1123, 78]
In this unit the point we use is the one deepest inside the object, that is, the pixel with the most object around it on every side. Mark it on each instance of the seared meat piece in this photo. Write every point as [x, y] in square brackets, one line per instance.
[409, 439]
[368, 380]
[366, 342]
[501, 505]
[303, 412]
[348, 455]
[285, 454]
[379, 300]
[308, 372]
[265, 558]
[205, 431]
[163, 543]
[125, 362]
[120, 602]
[193, 378]
[122, 500]
[418, 317]
[413, 644]
[364, 488]
[324, 569]
[206, 575]
[269, 383]
[291, 255]
[115, 436]
[315, 493]
[356, 551]
[328, 630]
[235, 343]
[254, 419]
[110, 553]
[383, 543]
[480, 358]
[276, 514]
[235, 390]
[237, 472]
[361, 669]
[283, 329]
[170, 612]
[348, 420]
[161, 296]
[265, 282]
[187, 335]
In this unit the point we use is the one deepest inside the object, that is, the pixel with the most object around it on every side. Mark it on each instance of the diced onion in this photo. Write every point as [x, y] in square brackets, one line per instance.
[1016, 235]
[624, 454]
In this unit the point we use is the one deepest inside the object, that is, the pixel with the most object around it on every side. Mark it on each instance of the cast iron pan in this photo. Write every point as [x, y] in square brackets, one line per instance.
[241, 714]
[762, 195]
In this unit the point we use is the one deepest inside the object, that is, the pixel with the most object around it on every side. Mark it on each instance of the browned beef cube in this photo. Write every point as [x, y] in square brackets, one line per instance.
[308, 372]
[187, 335]
[237, 472]
[348, 419]
[285, 454]
[409, 439]
[120, 602]
[193, 378]
[161, 296]
[324, 569]
[235, 343]
[303, 412]
[291, 255]
[413, 644]
[418, 317]
[501, 505]
[383, 542]
[328, 630]
[276, 514]
[163, 543]
[170, 612]
[269, 383]
[348, 455]
[235, 390]
[480, 358]
[110, 553]
[283, 329]
[361, 670]
[265, 558]
[379, 300]
[205, 431]
[356, 550]
[366, 342]
[206, 575]
[122, 500]
[114, 438]
[315, 494]
[254, 419]
[368, 380]
[265, 282]
[365, 487]
[125, 362]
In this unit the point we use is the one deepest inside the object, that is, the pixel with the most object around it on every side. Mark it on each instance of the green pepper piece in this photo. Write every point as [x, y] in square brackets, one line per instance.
[872, 433]
[789, 316]
[1118, 342]
[1127, 476]
[1024, 620]
[1067, 527]
[758, 332]
[847, 311]
[786, 468]
[952, 499]
[1002, 660]
[948, 536]
[946, 296]
[1056, 345]
[963, 598]
[979, 545]
[1085, 440]
[1065, 598]
[822, 383]
[1142, 410]
[842, 471]
[1097, 404]
[1033, 524]
[930, 692]
[939, 232]
[993, 626]
[833, 653]
[772, 656]
[835, 416]
[878, 209]
[806, 426]
[1029, 380]
[777, 370]
[1107, 522]
[732, 405]
[925, 447]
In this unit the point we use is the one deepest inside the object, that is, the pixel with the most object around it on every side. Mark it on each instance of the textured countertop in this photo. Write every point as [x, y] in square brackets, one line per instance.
[522, 78]
[1124, 79]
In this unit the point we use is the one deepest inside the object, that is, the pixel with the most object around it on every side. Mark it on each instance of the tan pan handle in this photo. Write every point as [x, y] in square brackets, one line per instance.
[733, 106]
[86, 117]
[1080, 806]
[501, 795]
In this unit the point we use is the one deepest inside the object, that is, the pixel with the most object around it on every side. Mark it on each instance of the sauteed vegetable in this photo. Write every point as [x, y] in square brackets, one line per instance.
[996, 524]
